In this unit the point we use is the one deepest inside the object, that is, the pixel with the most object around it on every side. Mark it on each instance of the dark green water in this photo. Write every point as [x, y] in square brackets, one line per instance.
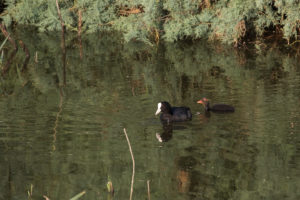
[61, 129]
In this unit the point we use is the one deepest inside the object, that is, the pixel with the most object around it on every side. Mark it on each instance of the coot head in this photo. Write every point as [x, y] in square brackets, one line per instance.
[163, 107]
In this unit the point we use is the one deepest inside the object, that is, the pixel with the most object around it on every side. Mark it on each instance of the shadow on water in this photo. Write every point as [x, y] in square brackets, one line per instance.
[64, 141]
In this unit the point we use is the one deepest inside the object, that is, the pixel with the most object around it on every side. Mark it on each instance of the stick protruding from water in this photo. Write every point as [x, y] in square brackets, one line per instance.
[133, 164]
[148, 187]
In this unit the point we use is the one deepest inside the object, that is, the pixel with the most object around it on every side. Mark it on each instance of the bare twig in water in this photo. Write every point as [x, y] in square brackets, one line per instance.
[148, 187]
[36, 57]
[133, 164]
[78, 195]
[45, 197]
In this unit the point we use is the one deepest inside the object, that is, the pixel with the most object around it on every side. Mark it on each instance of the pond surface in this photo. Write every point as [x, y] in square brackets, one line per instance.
[62, 120]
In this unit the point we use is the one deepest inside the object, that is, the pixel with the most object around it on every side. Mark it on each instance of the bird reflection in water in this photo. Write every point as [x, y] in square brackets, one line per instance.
[167, 133]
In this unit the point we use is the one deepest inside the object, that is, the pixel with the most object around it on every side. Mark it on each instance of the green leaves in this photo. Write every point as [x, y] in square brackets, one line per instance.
[172, 20]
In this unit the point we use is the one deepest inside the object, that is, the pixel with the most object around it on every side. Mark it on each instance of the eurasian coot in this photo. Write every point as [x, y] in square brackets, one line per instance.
[216, 107]
[173, 114]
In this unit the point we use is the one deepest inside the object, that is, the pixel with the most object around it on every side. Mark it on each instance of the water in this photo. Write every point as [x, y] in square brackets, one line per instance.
[62, 129]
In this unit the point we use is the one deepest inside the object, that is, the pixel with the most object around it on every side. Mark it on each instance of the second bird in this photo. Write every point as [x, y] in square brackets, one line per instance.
[215, 107]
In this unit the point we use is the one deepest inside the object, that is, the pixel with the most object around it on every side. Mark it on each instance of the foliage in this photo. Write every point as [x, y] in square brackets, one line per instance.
[231, 21]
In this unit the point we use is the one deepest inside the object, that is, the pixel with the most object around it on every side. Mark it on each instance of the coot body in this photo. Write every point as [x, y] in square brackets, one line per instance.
[173, 114]
[216, 107]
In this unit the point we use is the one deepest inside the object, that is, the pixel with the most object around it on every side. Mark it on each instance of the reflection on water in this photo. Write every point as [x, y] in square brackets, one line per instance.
[61, 128]
[166, 134]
